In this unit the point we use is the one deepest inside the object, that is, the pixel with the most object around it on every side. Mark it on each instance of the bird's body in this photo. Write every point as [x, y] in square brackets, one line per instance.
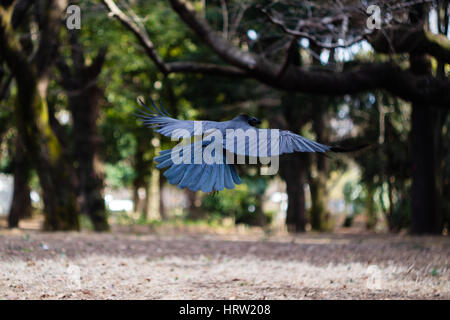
[219, 142]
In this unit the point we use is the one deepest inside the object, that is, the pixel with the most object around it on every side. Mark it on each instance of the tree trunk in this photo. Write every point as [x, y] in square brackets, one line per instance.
[142, 168]
[194, 212]
[21, 202]
[32, 115]
[146, 204]
[136, 202]
[319, 213]
[318, 185]
[370, 208]
[162, 208]
[425, 216]
[293, 166]
[85, 109]
[292, 170]
[80, 83]
[393, 227]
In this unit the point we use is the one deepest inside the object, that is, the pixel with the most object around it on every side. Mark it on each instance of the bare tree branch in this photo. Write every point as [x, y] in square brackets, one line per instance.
[289, 56]
[134, 24]
[403, 39]
[205, 68]
[356, 77]
[360, 77]
[237, 20]
[300, 34]
[141, 34]
[221, 47]
[225, 18]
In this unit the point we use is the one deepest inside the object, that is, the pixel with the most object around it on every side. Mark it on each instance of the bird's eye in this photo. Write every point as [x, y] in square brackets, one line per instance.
[253, 122]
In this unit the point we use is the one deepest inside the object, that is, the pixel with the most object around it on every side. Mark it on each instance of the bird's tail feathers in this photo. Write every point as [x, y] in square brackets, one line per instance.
[161, 111]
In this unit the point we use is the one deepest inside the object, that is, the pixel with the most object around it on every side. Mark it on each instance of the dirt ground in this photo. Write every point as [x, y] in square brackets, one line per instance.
[183, 265]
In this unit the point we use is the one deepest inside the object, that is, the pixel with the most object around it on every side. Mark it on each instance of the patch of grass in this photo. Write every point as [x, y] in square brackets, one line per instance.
[434, 272]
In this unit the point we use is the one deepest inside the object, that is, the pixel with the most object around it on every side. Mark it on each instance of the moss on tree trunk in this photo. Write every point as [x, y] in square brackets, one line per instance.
[32, 116]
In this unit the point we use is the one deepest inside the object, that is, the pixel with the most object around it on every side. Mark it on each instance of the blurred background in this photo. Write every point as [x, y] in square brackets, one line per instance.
[73, 156]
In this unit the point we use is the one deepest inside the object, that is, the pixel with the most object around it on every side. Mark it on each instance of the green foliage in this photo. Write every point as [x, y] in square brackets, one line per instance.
[242, 203]
[385, 123]
[355, 196]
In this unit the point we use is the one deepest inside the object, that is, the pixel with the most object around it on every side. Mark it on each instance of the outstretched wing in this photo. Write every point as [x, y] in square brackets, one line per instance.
[160, 120]
[202, 176]
[270, 142]
[291, 142]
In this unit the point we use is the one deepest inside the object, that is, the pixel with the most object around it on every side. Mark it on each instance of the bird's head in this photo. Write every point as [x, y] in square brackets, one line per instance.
[252, 121]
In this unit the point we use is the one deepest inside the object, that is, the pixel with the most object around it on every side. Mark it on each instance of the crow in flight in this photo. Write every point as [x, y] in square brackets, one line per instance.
[213, 176]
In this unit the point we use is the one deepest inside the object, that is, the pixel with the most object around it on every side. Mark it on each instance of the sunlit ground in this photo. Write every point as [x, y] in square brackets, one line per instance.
[198, 261]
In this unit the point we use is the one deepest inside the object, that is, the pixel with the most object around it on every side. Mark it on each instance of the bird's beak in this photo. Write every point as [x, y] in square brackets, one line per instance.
[256, 121]
[253, 121]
